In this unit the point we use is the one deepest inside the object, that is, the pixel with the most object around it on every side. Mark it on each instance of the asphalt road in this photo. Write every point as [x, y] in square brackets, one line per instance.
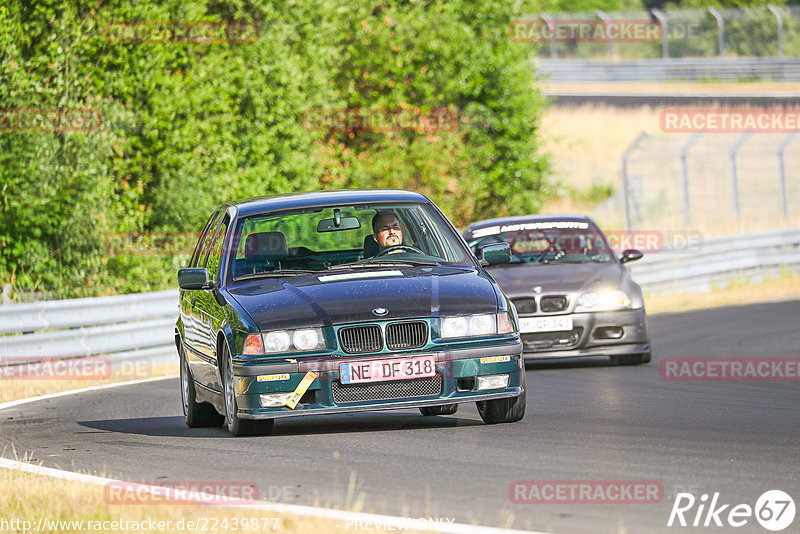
[585, 421]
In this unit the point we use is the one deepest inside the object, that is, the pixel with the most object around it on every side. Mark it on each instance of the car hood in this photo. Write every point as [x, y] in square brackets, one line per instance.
[297, 301]
[519, 279]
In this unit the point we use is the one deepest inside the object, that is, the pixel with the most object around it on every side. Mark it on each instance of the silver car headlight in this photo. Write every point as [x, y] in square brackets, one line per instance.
[483, 324]
[603, 301]
[301, 340]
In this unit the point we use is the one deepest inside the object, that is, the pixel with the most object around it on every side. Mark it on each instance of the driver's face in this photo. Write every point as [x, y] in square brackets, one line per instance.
[389, 233]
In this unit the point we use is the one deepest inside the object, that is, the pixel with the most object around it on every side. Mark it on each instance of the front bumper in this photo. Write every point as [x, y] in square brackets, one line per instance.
[457, 370]
[583, 340]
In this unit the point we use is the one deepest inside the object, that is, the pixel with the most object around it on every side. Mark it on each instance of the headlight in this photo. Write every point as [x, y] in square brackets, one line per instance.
[485, 324]
[603, 301]
[302, 340]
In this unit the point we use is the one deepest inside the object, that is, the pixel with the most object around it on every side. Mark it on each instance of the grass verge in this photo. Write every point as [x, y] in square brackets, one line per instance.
[786, 287]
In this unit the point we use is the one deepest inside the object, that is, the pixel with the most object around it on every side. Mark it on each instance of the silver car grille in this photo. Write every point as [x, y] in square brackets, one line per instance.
[361, 339]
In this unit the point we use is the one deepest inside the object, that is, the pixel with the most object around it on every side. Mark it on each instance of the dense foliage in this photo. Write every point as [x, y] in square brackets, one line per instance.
[185, 125]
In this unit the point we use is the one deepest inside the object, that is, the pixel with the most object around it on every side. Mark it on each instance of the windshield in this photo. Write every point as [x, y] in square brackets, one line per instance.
[547, 242]
[342, 237]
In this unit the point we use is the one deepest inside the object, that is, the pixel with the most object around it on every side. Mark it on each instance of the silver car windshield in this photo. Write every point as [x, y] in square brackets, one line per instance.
[550, 245]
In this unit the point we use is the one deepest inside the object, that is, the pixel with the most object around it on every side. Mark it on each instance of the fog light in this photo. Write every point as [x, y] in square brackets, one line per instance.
[274, 400]
[608, 332]
[492, 382]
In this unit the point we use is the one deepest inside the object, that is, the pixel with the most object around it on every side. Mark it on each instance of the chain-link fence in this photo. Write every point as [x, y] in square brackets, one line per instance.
[714, 183]
[768, 31]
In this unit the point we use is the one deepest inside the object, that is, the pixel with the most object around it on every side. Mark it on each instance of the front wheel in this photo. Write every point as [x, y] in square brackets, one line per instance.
[446, 409]
[508, 410]
[196, 414]
[237, 426]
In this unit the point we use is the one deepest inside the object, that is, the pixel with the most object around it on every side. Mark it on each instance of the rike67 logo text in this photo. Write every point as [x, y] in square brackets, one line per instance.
[774, 510]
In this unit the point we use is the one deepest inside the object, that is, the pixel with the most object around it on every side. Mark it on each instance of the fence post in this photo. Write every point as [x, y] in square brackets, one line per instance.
[552, 25]
[687, 217]
[779, 18]
[720, 30]
[782, 173]
[624, 177]
[734, 178]
[662, 19]
[604, 17]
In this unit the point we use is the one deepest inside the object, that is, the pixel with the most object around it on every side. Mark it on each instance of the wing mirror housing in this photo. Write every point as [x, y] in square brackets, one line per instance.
[194, 278]
[495, 254]
[630, 254]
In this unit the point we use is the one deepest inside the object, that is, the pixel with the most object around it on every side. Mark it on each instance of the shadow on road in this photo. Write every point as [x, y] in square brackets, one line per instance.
[569, 363]
[321, 424]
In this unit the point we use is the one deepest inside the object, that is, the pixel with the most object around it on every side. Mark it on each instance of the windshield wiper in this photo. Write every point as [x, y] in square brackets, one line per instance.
[276, 273]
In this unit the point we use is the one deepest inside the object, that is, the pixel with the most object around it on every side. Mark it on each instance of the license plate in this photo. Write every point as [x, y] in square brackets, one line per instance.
[388, 369]
[544, 324]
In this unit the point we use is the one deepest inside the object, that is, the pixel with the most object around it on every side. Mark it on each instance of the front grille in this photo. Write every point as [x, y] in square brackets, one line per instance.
[423, 387]
[361, 339]
[525, 305]
[553, 304]
[551, 340]
[408, 335]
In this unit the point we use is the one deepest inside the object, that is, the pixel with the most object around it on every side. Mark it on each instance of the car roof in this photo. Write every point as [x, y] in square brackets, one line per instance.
[322, 199]
[527, 218]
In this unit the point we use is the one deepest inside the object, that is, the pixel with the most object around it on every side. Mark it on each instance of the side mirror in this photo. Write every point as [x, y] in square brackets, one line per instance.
[630, 254]
[194, 278]
[496, 253]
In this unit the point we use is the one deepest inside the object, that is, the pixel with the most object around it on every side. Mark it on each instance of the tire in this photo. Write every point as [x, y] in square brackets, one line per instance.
[196, 414]
[445, 409]
[236, 426]
[631, 359]
[508, 410]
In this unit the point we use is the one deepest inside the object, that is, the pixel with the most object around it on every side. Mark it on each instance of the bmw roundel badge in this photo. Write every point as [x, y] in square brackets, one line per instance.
[380, 312]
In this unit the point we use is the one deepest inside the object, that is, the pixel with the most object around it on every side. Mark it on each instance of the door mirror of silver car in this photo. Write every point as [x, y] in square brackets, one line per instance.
[193, 278]
[630, 254]
[496, 253]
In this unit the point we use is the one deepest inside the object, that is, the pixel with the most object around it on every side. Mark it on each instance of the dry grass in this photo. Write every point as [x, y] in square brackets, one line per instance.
[787, 287]
[13, 389]
[32, 498]
[585, 144]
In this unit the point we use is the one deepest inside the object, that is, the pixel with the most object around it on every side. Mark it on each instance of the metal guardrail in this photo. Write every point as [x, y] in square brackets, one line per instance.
[719, 261]
[140, 327]
[670, 69]
[124, 328]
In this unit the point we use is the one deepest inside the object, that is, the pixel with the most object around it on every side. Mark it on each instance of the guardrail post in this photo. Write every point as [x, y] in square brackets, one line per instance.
[720, 30]
[734, 177]
[604, 17]
[779, 18]
[662, 19]
[624, 177]
[687, 217]
[782, 173]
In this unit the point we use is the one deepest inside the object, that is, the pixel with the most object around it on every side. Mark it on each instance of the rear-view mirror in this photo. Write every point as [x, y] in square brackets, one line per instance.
[345, 223]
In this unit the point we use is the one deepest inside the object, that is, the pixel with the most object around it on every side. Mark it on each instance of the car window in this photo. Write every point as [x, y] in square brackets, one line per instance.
[215, 252]
[196, 255]
[311, 239]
